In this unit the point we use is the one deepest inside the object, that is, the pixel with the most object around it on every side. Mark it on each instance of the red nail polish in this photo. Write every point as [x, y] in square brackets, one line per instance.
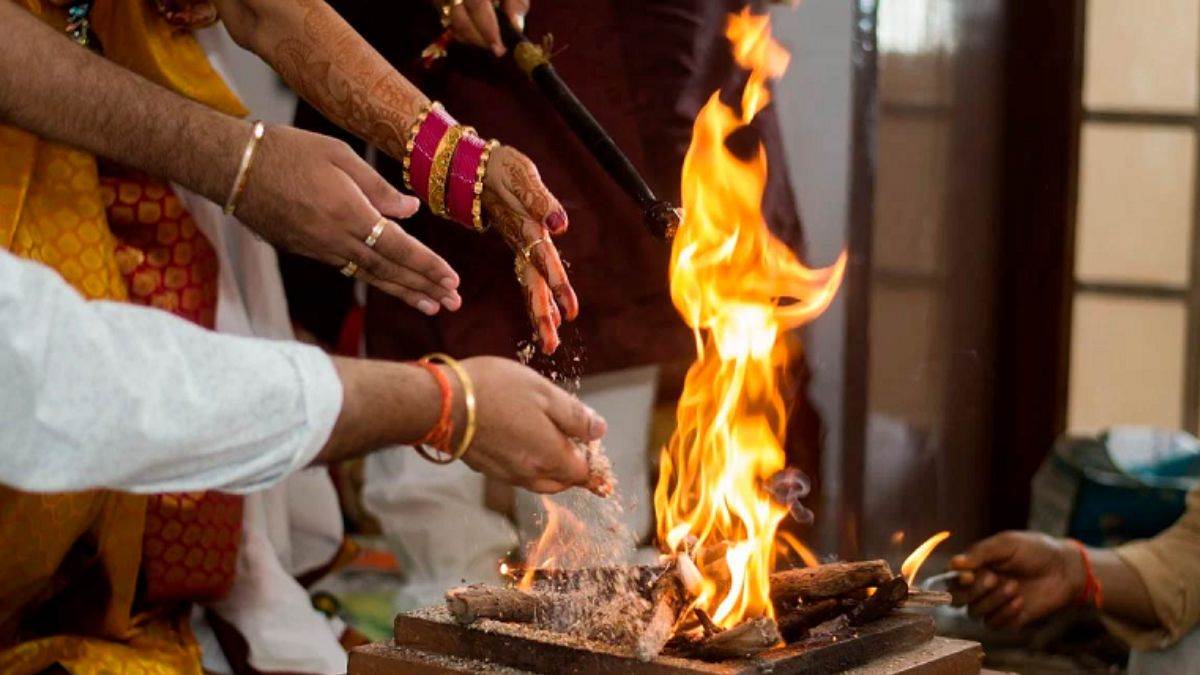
[556, 221]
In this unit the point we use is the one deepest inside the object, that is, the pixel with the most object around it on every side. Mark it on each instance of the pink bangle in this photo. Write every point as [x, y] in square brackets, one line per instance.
[463, 169]
[425, 144]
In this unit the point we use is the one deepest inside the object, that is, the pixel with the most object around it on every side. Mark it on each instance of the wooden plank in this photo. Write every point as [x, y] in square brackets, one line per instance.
[816, 655]
[522, 647]
[939, 656]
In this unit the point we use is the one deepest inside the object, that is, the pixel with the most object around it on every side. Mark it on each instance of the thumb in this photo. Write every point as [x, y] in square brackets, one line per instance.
[516, 11]
[991, 552]
[383, 196]
[574, 418]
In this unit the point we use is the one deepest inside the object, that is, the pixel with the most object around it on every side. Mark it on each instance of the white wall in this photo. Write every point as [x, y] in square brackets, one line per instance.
[814, 108]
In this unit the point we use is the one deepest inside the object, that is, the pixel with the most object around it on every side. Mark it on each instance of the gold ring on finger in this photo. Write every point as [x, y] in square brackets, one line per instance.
[376, 232]
[350, 269]
[528, 248]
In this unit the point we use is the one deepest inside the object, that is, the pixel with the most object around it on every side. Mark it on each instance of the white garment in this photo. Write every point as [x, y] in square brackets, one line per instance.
[103, 394]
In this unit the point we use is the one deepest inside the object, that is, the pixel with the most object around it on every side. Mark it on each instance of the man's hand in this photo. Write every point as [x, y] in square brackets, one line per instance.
[1015, 578]
[475, 22]
[313, 195]
[525, 427]
[522, 209]
[524, 423]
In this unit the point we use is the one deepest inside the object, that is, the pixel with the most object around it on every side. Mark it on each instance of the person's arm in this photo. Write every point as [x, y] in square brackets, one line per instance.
[305, 191]
[332, 67]
[102, 394]
[1015, 578]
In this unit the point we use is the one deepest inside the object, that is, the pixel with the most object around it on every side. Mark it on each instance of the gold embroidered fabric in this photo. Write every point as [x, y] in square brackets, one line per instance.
[69, 576]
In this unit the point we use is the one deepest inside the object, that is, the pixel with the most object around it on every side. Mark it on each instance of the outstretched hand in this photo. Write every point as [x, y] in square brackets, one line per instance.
[1015, 578]
[522, 209]
[314, 196]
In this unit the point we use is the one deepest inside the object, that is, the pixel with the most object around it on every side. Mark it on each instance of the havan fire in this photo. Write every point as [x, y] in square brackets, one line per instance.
[739, 289]
[724, 488]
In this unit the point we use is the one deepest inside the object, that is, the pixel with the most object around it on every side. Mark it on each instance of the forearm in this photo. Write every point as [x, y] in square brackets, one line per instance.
[61, 91]
[1125, 595]
[329, 65]
[384, 403]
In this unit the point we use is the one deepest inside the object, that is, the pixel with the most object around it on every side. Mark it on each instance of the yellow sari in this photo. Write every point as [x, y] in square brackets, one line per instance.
[69, 576]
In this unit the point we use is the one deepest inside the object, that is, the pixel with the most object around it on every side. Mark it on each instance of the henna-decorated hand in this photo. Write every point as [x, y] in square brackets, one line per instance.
[522, 209]
[313, 195]
[475, 22]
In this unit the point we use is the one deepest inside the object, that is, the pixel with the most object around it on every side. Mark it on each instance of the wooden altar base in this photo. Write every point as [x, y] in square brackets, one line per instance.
[430, 642]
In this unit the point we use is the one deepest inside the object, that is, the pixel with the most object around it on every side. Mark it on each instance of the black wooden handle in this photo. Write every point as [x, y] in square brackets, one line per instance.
[660, 217]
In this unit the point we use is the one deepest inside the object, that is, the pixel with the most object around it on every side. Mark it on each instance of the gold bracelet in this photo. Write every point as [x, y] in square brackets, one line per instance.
[480, 174]
[239, 182]
[411, 142]
[468, 397]
[440, 171]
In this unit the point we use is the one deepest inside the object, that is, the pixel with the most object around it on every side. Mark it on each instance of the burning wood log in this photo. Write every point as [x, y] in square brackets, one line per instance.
[745, 639]
[826, 581]
[470, 603]
[670, 600]
[794, 623]
[920, 598]
[887, 596]
[640, 578]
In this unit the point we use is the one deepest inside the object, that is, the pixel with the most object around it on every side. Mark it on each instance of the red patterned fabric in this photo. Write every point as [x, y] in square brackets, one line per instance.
[190, 544]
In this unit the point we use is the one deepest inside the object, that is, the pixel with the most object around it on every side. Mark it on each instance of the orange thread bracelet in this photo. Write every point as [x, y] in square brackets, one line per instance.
[440, 434]
[1092, 593]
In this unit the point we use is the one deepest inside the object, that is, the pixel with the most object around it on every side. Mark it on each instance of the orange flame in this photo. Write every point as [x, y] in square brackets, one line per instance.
[543, 555]
[738, 288]
[788, 543]
[912, 564]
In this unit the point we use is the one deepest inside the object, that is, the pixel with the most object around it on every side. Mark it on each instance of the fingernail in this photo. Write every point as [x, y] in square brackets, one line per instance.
[556, 221]
[452, 302]
[427, 307]
[1010, 588]
[450, 283]
[498, 49]
[521, 22]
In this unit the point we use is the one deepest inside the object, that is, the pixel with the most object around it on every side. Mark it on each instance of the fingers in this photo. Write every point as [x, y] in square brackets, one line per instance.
[483, 15]
[995, 600]
[984, 582]
[415, 299]
[516, 11]
[407, 252]
[540, 306]
[1009, 615]
[463, 27]
[382, 195]
[377, 268]
[550, 266]
[991, 552]
[574, 418]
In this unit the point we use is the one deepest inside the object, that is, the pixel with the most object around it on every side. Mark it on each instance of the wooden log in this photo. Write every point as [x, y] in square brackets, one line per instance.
[827, 581]
[795, 623]
[669, 600]
[919, 598]
[639, 578]
[706, 623]
[468, 604]
[887, 597]
[746, 639]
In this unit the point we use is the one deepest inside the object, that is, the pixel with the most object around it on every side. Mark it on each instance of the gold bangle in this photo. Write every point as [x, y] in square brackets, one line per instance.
[480, 174]
[411, 142]
[468, 397]
[440, 171]
[239, 181]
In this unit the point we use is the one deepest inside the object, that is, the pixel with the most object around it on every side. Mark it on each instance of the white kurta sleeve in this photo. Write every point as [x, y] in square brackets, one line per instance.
[102, 394]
